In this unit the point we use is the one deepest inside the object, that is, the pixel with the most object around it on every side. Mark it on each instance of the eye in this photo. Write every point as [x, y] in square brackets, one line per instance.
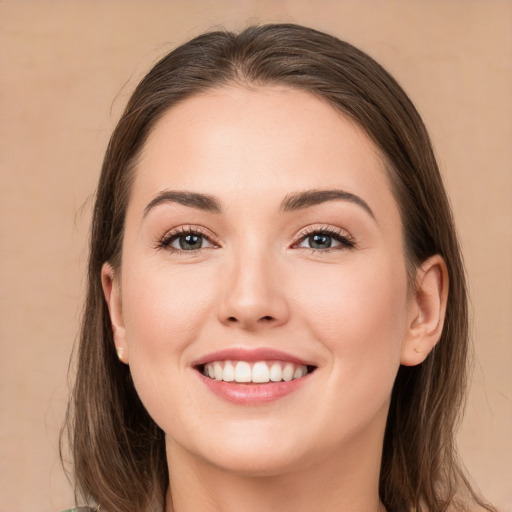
[189, 242]
[325, 239]
[185, 240]
[318, 241]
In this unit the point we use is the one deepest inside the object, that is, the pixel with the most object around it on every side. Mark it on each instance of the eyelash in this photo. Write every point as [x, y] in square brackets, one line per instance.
[339, 235]
[166, 241]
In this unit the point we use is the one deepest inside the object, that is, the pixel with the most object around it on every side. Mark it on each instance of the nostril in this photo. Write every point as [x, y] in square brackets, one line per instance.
[267, 319]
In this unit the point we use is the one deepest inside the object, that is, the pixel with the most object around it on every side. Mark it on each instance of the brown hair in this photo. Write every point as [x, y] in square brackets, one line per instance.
[118, 450]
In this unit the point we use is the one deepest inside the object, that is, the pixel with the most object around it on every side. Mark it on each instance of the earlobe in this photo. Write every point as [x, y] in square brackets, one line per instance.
[428, 308]
[112, 293]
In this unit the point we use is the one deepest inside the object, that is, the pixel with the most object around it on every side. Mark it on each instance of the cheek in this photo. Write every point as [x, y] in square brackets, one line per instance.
[360, 317]
[165, 307]
[165, 310]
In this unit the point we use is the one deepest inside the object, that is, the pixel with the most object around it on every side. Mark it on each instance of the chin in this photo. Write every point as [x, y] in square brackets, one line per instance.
[259, 451]
[257, 462]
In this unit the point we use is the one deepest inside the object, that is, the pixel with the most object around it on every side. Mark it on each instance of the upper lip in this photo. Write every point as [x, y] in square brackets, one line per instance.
[250, 355]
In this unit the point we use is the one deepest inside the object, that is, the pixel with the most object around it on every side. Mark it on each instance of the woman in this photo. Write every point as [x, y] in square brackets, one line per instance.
[274, 262]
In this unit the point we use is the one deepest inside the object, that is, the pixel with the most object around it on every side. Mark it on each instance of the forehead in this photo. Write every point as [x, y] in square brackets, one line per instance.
[268, 140]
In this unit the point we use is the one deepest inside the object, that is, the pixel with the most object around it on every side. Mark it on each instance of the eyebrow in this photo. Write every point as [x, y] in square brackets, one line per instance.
[292, 202]
[192, 199]
[308, 198]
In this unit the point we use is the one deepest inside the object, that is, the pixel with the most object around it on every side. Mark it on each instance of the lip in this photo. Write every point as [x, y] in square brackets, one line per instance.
[250, 355]
[251, 394]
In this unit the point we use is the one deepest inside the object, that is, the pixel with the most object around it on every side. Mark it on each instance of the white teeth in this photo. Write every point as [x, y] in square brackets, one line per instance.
[217, 371]
[288, 372]
[299, 372]
[229, 372]
[243, 372]
[259, 372]
[276, 373]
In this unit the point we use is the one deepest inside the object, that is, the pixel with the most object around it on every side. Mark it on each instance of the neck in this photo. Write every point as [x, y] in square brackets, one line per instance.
[347, 479]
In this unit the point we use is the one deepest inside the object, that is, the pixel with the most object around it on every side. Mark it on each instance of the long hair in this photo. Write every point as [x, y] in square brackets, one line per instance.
[118, 450]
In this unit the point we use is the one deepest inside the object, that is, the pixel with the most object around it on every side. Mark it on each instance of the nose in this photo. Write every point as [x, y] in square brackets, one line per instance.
[254, 295]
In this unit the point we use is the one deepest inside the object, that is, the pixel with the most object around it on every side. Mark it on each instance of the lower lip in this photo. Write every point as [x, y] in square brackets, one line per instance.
[253, 394]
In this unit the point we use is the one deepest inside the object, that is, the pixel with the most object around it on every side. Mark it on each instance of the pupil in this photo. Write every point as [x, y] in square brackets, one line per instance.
[190, 242]
[320, 241]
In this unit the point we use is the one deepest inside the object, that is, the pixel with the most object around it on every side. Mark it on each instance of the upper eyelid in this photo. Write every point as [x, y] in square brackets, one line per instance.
[346, 240]
[308, 230]
[189, 228]
[178, 231]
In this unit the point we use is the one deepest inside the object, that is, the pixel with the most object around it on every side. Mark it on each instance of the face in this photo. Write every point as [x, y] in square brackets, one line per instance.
[262, 302]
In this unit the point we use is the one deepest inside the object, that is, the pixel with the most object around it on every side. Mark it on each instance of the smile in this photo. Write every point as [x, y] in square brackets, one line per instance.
[259, 372]
[253, 376]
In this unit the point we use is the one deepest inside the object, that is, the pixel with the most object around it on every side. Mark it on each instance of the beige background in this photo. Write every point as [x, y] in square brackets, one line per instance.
[66, 69]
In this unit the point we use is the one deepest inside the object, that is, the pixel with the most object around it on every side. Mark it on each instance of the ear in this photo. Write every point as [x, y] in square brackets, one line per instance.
[112, 292]
[426, 312]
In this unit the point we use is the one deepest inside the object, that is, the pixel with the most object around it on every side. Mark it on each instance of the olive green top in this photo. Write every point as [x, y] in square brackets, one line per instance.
[80, 509]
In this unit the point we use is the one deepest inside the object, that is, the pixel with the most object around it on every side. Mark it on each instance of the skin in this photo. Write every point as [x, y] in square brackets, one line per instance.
[256, 282]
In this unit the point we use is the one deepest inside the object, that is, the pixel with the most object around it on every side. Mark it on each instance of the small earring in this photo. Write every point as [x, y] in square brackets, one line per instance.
[120, 353]
[417, 350]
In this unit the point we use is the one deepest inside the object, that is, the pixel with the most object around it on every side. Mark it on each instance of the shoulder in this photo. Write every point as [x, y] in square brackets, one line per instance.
[80, 509]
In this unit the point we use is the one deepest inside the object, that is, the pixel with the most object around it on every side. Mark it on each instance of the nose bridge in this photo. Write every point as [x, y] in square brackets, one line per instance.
[253, 295]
